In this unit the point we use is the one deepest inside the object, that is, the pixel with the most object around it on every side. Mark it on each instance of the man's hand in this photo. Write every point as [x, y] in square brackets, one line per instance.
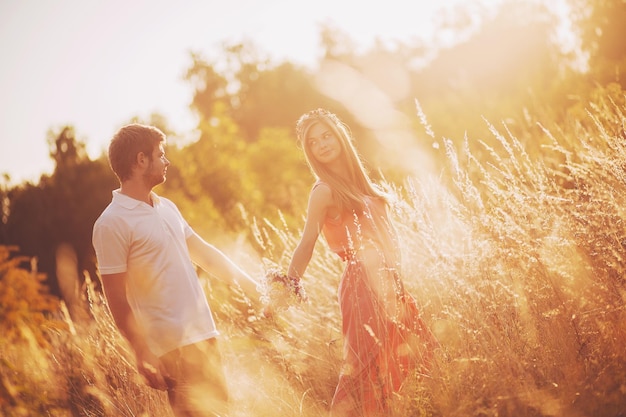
[151, 368]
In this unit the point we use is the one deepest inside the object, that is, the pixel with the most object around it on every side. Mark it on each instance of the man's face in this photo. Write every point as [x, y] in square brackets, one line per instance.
[157, 169]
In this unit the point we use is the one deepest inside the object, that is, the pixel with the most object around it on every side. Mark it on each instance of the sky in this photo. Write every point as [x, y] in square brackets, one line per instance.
[97, 64]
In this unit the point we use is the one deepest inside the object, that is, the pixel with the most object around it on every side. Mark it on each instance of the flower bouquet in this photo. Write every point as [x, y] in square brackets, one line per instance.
[282, 291]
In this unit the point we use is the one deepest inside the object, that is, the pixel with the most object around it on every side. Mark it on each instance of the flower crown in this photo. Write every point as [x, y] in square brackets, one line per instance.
[317, 114]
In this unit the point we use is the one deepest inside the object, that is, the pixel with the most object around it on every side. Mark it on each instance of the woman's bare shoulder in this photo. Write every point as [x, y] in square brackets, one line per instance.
[322, 191]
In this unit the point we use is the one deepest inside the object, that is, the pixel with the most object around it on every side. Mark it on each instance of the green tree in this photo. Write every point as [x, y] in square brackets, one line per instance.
[247, 108]
[508, 69]
[61, 208]
[254, 92]
[279, 176]
[210, 172]
[601, 25]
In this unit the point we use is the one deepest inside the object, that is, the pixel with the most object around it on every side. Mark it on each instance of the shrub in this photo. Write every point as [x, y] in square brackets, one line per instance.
[25, 301]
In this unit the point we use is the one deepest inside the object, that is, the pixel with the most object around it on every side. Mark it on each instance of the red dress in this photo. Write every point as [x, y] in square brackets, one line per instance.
[384, 337]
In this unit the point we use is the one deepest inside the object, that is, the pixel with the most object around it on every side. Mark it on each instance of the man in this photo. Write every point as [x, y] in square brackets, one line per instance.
[146, 253]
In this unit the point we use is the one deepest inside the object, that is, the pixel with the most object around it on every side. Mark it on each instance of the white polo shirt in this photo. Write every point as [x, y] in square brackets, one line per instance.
[163, 290]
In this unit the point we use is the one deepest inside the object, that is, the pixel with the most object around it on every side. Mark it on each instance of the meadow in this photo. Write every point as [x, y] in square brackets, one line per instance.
[515, 252]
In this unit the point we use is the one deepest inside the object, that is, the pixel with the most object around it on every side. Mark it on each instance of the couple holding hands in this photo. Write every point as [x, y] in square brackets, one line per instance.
[147, 254]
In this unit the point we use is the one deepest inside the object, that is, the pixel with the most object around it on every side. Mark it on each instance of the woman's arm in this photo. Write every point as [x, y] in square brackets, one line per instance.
[320, 200]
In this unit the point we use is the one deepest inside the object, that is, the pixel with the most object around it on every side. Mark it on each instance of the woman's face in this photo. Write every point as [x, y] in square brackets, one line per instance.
[323, 144]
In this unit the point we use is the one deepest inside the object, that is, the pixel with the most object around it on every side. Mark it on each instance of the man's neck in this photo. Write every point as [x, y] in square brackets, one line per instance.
[136, 190]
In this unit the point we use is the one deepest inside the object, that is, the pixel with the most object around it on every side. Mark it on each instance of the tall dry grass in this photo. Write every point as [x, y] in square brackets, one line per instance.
[517, 259]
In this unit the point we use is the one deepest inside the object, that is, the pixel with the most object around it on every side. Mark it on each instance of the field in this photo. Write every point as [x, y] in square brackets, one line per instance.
[516, 254]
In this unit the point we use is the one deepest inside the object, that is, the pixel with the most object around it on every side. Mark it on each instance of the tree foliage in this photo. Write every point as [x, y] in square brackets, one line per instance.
[217, 189]
[251, 91]
[601, 24]
[61, 208]
[505, 66]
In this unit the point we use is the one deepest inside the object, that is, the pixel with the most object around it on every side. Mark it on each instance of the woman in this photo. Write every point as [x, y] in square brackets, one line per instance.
[384, 338]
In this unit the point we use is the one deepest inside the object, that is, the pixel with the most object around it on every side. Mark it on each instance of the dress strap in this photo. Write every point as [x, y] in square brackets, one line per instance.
[318, 183]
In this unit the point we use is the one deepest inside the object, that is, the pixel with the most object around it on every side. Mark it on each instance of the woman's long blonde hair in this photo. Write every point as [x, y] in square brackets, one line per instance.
[347, 192]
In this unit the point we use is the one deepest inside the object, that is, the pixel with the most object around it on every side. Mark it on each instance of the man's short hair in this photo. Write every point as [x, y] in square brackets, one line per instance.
[129, 141]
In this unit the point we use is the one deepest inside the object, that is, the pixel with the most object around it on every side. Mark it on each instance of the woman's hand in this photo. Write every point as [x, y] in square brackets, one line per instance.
[281, 291]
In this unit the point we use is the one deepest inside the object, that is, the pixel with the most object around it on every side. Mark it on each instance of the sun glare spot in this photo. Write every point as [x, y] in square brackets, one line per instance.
[565, 34]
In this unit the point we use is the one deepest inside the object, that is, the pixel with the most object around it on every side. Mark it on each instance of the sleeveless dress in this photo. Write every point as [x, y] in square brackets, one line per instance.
[384, 338]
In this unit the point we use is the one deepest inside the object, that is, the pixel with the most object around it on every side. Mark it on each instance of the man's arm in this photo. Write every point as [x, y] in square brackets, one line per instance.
[215, 262]
[148, 363]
